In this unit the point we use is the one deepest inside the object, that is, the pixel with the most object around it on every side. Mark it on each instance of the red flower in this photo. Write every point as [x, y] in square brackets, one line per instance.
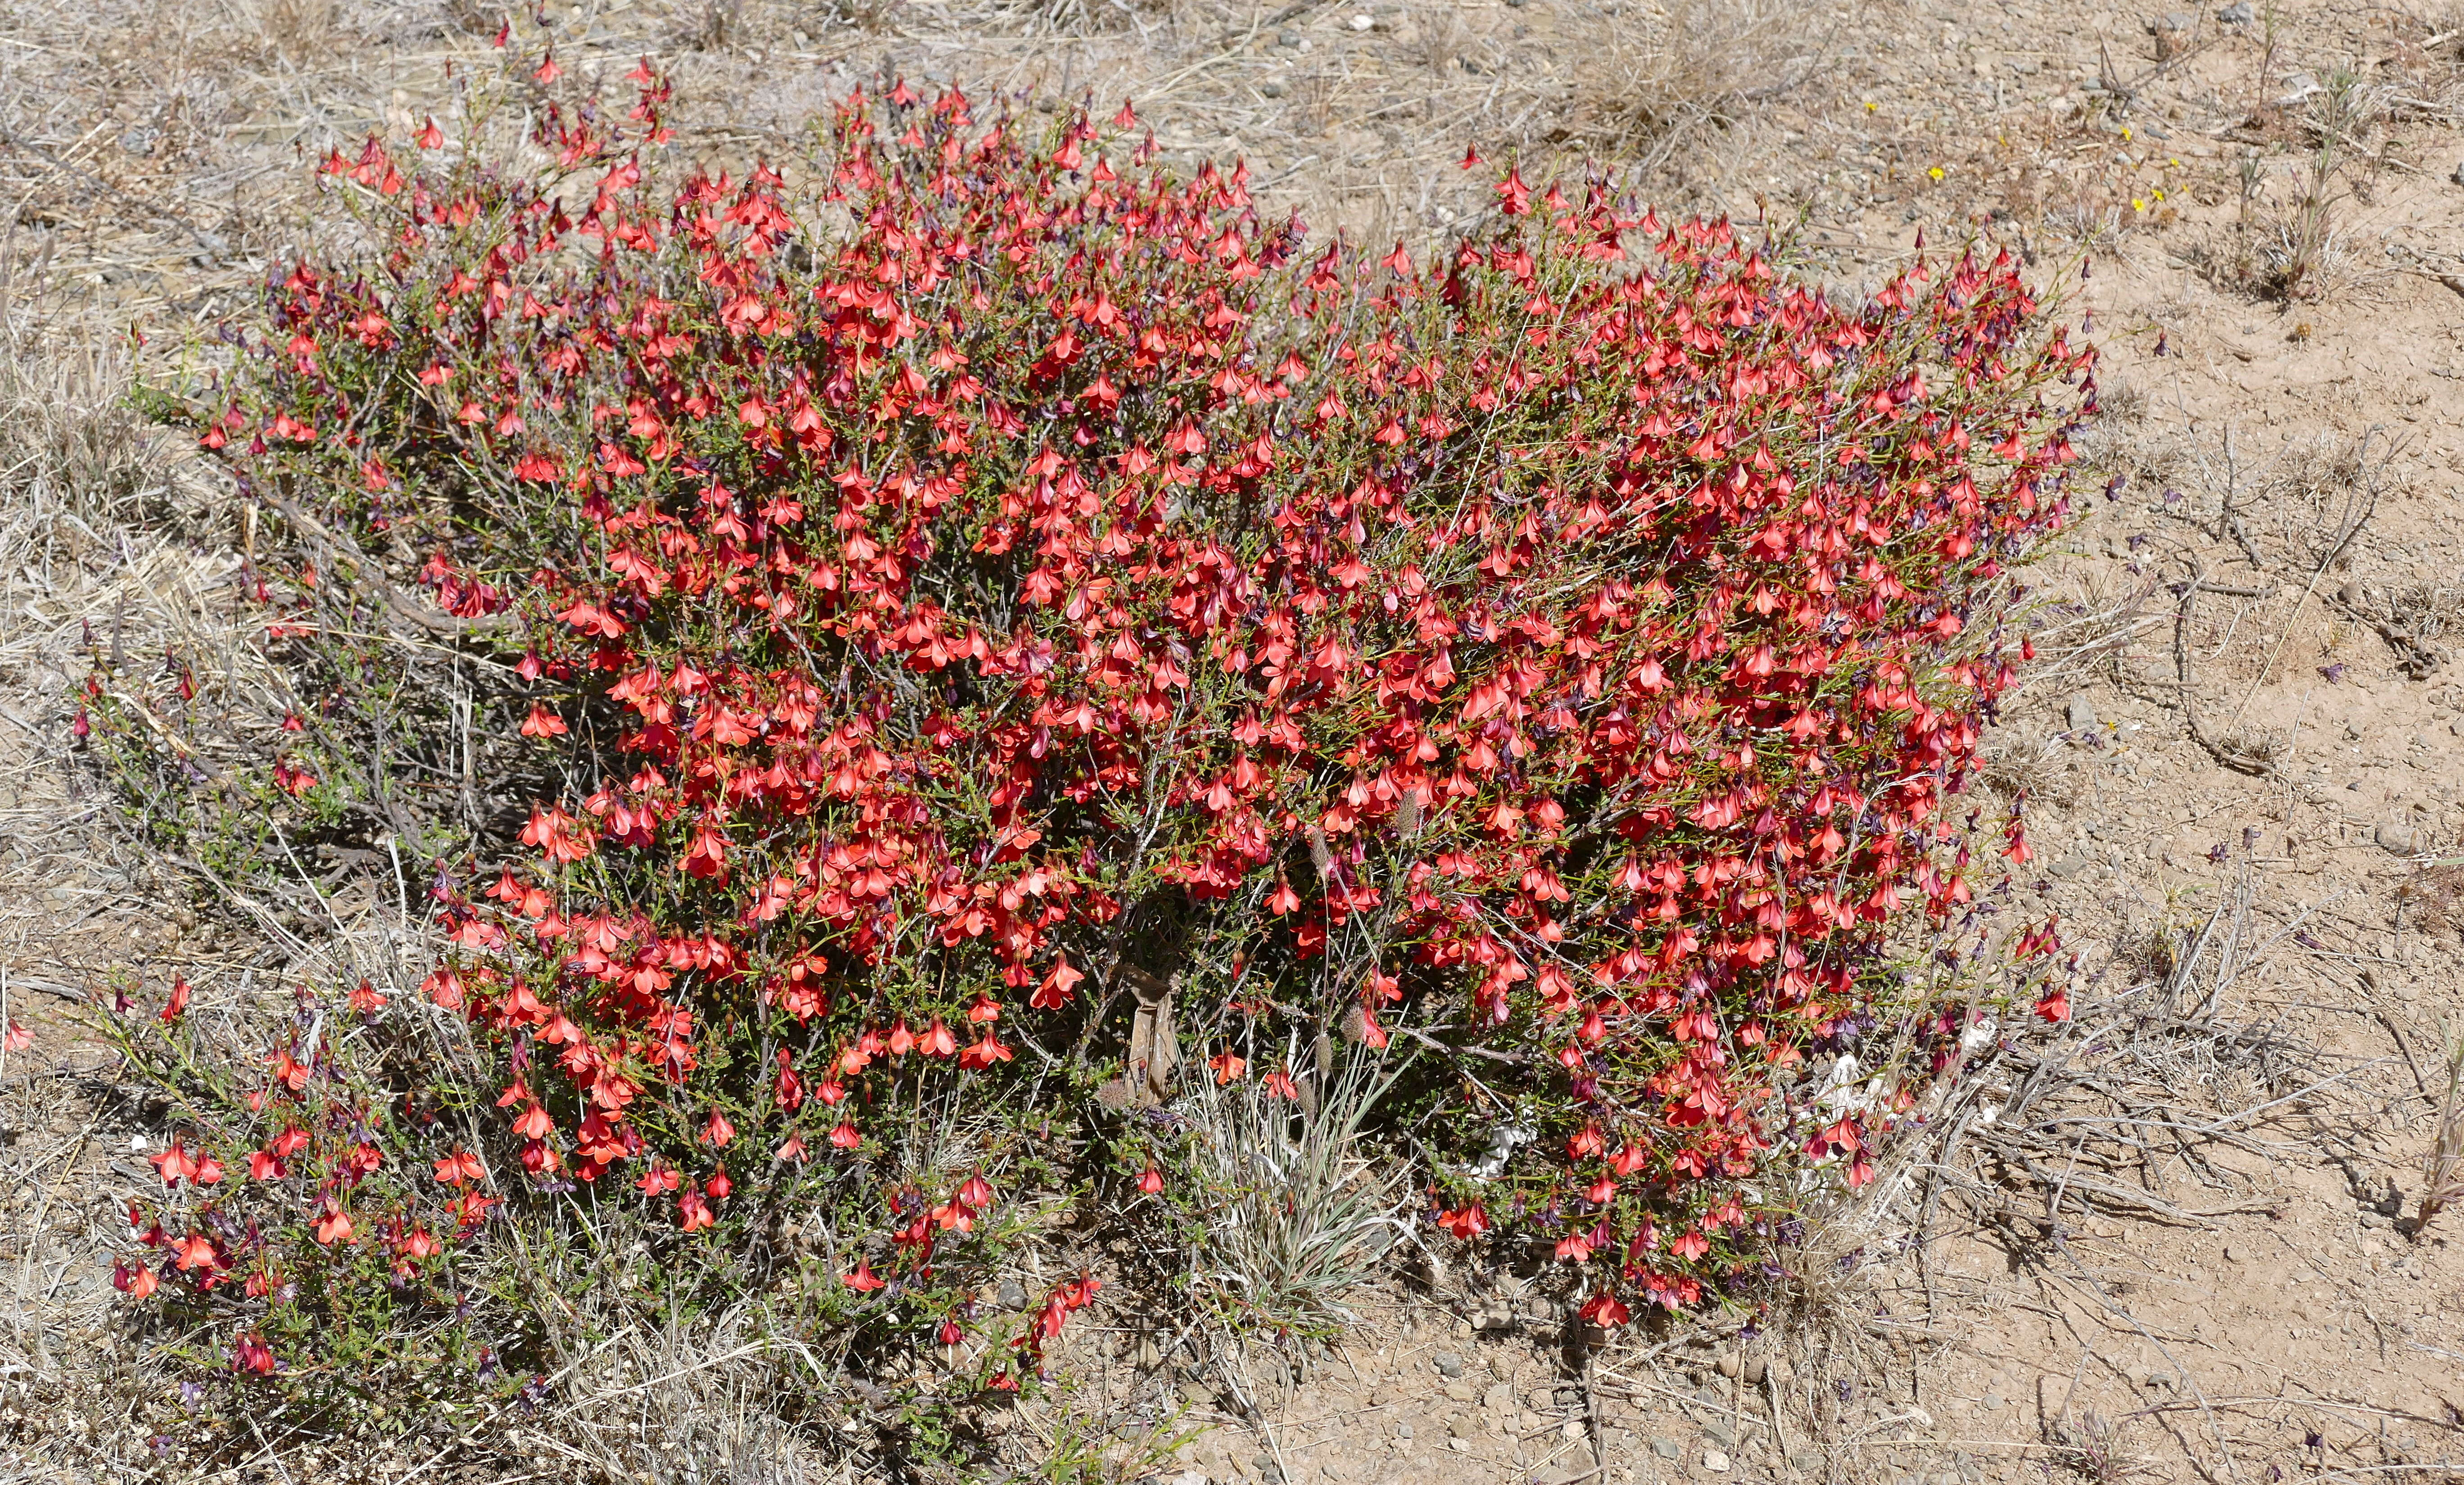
[862, 1280]
[175, 1163]
[250, 1353]
[983, 1054]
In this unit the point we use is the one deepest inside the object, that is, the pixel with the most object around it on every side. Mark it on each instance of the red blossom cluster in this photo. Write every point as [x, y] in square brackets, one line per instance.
[1003, 559]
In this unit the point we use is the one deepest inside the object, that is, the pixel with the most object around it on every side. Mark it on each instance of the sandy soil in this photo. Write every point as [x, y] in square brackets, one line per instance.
[2173, 1241]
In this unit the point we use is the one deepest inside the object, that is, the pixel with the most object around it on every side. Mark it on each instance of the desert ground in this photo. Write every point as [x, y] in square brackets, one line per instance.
[2174, 1239]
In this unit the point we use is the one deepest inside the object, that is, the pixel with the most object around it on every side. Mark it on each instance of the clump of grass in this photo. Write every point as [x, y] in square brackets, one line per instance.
[2442, 1169]
[2293, 259]
[1297, 1210]
[1697, 66]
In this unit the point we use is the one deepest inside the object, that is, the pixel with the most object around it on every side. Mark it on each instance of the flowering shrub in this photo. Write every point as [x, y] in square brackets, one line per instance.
[1017, 585]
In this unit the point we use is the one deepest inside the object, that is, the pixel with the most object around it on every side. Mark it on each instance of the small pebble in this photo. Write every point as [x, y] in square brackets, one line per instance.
[1362, 23]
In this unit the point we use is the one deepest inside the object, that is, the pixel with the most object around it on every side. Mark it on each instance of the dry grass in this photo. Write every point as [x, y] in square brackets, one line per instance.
[1657, 76]
[2442, 1168]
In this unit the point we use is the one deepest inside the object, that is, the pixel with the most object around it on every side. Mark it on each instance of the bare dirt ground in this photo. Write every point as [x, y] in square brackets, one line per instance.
[2170, 1241]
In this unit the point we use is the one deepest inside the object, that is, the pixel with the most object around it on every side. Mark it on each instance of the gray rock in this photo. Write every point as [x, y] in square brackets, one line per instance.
[1287, 37]
[1498, 1398]
[2238, 13]
[2083, 714]
[1719, 1432]
[1667, 1448]
[1403, 1430]
[2459, 173]
[1449, 1364]
[1012, 1296]
[2397, 839]
[2070, 865]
